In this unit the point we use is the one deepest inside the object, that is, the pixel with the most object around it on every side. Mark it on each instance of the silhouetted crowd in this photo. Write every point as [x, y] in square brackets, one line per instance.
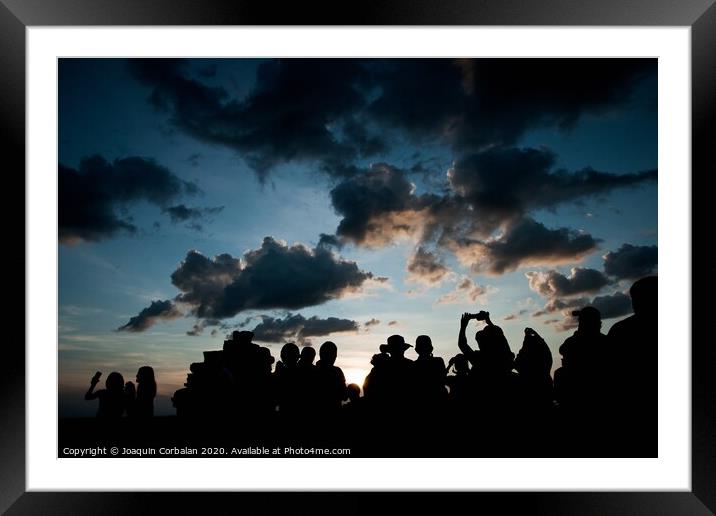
[604, 394]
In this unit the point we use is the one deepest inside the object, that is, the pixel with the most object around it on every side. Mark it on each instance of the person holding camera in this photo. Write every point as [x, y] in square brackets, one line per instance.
[494, 386]
[112, 399]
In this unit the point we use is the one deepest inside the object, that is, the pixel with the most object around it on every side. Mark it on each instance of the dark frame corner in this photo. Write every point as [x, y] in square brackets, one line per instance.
[700, 15]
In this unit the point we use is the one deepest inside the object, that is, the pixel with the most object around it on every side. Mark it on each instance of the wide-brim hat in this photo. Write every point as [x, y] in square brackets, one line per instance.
[397, 342]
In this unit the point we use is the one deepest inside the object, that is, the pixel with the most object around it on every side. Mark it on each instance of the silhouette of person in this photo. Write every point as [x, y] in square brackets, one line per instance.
[459, 383]
[353, 411]
[633, 342]
[353, 394]
[142, 404]
[534, 365]
[429, 374]
[580, 384]
[495, 388]
[400, 375]
[493, 355]
[264, 392]
[112, 399]
[330, 381]
[307, 381]
[375, 382]
[287, 380]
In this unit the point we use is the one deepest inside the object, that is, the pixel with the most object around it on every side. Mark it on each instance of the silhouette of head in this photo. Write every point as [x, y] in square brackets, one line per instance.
[462, 366]
[289, 354]
[308, 355]
[328, 353]
[145, 375]
[353, 390]
[397, 346]
[115, 382]
[265, 358]
[590, 319]
[644, 297]
[494, 347]
[423, 346]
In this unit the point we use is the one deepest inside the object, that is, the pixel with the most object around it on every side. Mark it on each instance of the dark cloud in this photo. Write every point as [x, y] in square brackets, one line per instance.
[631, 262]
[93, 197]
[501, 183]
[181, 212]
[377, 206]
[329, 241]
[490, 192]
[157, 311]
[474, 102]
[296, 110]
[336, 110]
[554, 284]
[298, 328]
[392, 323]
[613, 305]
[610, 306]
[274, 276]
[198, 328]
[426, 267]
[202, 280]
[527, 242]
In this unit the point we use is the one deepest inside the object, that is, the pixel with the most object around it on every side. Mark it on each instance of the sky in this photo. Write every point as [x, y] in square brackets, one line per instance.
[344, 200]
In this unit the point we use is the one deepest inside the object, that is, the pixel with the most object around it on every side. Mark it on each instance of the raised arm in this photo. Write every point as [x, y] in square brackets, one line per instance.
[90, 394]
[461, 339]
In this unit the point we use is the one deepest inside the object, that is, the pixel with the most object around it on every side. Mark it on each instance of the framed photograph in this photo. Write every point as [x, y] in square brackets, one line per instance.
[406, 249]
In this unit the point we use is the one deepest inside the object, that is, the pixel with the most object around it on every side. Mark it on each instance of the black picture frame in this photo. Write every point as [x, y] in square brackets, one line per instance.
[699, 15]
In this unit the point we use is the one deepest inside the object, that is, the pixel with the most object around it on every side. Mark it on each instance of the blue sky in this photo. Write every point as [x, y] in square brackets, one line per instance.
[268, 168]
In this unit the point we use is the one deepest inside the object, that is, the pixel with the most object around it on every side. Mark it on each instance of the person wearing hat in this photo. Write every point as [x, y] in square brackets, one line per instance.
[390, 382]
[429, 374]
[580, 383]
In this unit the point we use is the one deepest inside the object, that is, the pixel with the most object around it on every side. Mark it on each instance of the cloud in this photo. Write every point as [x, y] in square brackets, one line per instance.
[182, 213]
[554, 284]
[371, 322]
[392, 323]
[156, 311]
[527, 242]
[565, 305]
[425, 267]
[489, 193]
[377, 206]
[298, 328]
[617, 304]
[631, 262]
[296, 111]
[475, 102]
[466, 291]
[512, 317]
[272, 277]
[614, 305]
[503, 183]
[92, 198]
[337, 110]
[198, 328]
